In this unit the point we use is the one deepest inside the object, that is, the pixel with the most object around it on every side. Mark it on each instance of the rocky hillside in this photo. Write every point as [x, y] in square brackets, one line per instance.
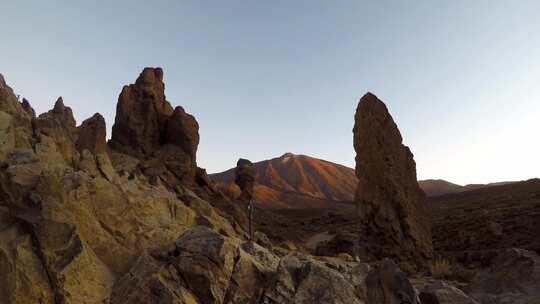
[298, 176]
[436, 187]
[488, 219]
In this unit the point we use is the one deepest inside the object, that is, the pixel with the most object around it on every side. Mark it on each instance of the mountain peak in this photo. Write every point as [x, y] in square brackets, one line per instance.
[287, 154]
[293, 175]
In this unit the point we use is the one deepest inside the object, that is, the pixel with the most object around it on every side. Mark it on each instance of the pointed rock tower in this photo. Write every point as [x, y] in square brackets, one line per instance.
[391, 204]
[149, 128]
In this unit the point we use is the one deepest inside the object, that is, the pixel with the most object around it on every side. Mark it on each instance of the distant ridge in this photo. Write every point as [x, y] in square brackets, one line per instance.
[297, 179]
[436, 187]
[293, 177]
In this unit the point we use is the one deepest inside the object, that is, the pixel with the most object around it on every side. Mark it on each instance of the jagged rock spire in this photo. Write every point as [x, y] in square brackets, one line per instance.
[147, 127]
[245, 179]
[392, 205]
[146, 121]
[92, 135]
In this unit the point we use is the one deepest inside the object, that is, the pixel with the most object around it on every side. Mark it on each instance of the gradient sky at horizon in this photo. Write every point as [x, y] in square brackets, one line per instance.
[461, 78]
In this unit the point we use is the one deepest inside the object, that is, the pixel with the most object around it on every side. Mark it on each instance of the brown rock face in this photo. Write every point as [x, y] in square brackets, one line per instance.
[245, 179]
[27, 107]
[92, 133]
[141, 114]
[387, 284]
[391, 204]
[147, 127]
[182, 130]
[56, 133]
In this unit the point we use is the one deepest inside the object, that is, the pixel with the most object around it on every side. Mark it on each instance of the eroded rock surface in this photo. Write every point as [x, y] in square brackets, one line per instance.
[147, 127]
[92, 135]
[75, 217]
[391, 204]
[387, 284]
[441, 292]
[205, 267]
[513, 277]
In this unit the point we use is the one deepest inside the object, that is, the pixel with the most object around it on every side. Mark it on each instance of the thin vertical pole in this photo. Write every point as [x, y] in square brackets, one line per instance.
[250, 207]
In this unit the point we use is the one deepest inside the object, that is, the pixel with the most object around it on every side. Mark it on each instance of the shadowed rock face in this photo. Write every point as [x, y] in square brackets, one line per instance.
[182, 130]
[145, 121]
[92, 133]
[245, 179]
[147, 127]
[141, 114]
[391, 204]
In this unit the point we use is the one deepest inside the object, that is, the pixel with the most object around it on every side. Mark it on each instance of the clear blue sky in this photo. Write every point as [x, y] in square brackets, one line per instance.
[461, 78]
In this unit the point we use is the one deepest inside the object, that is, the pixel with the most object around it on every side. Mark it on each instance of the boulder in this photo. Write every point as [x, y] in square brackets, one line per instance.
[28, 108]
[387, 284]
[202, 267]
[440, 292]
[391, 204]
[300, 280]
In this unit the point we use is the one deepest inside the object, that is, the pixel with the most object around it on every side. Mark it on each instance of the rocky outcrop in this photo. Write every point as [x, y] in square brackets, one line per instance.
[141, 115]
[70, 225]
[202, 267]
[245, 179]
[301, 280]
[92, 135]
[512, 278]
[56, 133]
[391, 204]
[15, 122]
[147, 127]
[205, 267]
[440, 292]
[387, 284]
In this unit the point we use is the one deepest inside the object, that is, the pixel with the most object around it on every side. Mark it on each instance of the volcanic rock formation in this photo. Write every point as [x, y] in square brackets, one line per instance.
[391, 204]
[245, 179]
[147, 127]
[92, 135]
[71, 219]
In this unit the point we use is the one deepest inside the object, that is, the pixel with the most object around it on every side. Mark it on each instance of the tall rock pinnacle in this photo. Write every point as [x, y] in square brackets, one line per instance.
[141, 114]
[391, 203]
[245, 179]
[147, 126]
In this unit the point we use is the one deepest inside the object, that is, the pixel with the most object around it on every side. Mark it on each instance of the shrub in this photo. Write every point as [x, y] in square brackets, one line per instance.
[440, 268]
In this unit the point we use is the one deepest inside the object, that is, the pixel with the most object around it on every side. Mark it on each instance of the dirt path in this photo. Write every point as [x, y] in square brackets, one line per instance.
[315, 239]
